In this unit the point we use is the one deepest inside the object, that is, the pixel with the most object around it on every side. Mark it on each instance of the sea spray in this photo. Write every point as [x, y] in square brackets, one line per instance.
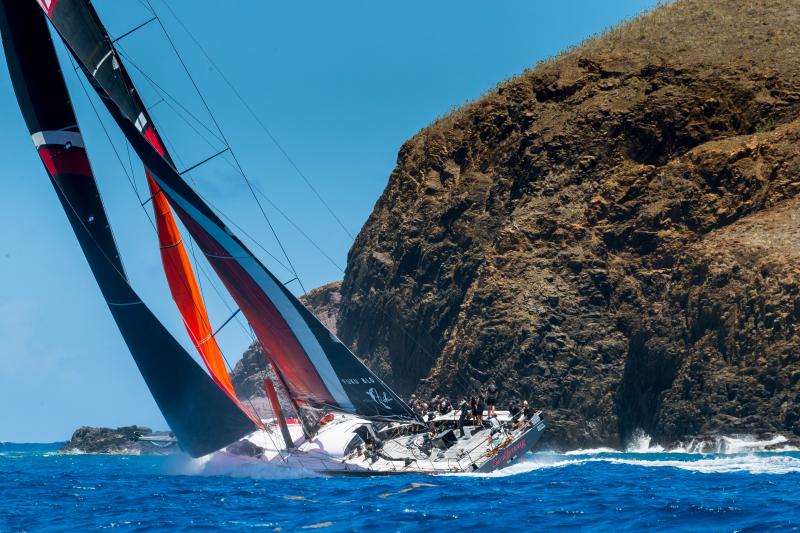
[224, 464]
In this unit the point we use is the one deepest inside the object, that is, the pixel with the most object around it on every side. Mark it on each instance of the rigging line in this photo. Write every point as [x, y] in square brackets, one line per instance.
[239, 96]
[152, 224]
[259, 121]
[203, 162]
[235, 169]
[198, 265]
[233, 154]
[143, 24]
[129, 60]
[238, 310]
[303, 233]
[130, 163]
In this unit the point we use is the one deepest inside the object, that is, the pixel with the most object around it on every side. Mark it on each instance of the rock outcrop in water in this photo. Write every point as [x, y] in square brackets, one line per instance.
[613, 235]
[123, 441]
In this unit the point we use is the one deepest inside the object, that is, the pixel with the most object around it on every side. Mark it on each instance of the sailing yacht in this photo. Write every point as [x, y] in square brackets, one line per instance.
[348, 420]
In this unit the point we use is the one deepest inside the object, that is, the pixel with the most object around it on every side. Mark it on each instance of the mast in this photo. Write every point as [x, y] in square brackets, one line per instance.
[318, 370]
[202, 416]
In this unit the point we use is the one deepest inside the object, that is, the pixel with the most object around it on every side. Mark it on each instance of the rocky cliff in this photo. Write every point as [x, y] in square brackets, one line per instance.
[612, 235]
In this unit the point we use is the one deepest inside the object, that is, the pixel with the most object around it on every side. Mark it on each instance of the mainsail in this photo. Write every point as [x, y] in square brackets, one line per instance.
[202, 416]
[316, 367]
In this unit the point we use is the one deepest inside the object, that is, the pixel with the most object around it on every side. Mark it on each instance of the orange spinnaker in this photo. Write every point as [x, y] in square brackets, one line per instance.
[184, 288]
[186, 293]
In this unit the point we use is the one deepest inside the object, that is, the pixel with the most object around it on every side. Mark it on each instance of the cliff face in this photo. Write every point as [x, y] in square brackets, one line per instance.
[612, 235]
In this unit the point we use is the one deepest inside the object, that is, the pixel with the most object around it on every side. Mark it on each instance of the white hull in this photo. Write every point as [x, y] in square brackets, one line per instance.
[327, 452]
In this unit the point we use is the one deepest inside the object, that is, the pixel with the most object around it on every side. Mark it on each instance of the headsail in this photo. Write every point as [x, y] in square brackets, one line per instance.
[202, 417]
[81, 20]
[316, 367]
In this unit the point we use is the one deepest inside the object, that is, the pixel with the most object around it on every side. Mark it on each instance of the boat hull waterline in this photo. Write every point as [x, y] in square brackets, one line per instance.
[330, 450]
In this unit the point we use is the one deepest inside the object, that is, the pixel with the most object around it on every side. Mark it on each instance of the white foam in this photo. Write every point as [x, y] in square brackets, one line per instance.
[591, 451]
[641, 442]
[219, 464]
[724, 454]
[752, 464]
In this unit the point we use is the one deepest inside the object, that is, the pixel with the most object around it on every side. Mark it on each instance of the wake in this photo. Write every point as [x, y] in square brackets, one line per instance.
[220, 464]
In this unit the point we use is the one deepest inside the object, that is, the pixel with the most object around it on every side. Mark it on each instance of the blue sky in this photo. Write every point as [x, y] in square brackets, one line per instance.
[341, 85]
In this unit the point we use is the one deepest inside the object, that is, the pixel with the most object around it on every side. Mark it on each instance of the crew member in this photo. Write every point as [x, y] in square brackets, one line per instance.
[491, 399]
[480, 405]
[527, 410]
[412, 403]
[444, 406]
[463, 410]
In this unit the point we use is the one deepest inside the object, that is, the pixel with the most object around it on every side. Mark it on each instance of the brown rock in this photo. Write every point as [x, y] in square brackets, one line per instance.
[607, 235]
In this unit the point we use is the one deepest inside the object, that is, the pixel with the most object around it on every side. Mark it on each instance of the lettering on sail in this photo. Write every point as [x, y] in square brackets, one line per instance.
[377, 397]
[359, 381]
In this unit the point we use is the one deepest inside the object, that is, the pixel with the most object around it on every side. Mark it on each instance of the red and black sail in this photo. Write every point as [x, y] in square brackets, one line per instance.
[199, 412]
[91, 43]
[315, 366]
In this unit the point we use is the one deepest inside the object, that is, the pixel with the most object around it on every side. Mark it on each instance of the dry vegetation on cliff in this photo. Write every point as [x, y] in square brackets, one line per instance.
[612, 235]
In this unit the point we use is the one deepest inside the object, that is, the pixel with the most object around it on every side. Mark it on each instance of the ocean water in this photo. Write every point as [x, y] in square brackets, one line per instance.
[643, 488]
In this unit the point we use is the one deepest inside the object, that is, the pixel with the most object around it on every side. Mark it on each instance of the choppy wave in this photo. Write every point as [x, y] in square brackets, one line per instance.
[724, 454]
[723, 444]
[753, 463]
[599, 489]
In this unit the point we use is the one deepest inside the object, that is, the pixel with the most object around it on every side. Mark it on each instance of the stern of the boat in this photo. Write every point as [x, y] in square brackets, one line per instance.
[518, 447]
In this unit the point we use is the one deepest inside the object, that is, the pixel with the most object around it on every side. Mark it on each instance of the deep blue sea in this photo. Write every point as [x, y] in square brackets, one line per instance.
[593, 490]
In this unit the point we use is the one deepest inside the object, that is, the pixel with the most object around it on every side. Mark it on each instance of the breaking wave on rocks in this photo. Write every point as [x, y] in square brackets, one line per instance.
[722, 454]
[722, 444]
